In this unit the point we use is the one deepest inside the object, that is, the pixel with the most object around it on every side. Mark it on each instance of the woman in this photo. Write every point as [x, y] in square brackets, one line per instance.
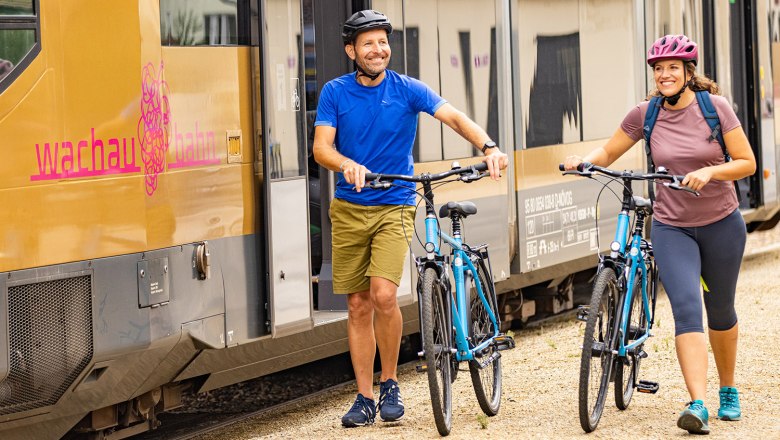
[697, 241]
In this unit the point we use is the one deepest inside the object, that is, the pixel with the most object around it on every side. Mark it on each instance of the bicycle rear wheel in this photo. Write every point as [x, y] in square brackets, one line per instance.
[597, 358]
[485, 369]
[627, 369]
[436, 328]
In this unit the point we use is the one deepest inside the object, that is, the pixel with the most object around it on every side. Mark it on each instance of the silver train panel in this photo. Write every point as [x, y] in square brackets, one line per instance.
[291, 303]
[562, 222]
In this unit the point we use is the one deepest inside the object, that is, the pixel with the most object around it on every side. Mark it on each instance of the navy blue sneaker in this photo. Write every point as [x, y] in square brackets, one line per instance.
[694, 419]
[362, 413]
[391, 405]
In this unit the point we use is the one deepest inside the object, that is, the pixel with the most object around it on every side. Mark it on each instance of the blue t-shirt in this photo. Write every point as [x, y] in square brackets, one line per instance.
[375, 127]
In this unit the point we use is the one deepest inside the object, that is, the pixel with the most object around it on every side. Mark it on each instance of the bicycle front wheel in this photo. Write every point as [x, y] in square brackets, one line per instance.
[597, 357]
[436, 327]
[485, 369]
[628, 369]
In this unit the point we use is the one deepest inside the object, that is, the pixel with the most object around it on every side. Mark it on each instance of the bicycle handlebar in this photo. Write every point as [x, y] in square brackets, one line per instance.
[467, 174]
[586, 169]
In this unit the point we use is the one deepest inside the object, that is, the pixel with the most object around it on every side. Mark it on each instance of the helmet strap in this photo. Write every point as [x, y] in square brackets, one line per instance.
[672, 100]
[362, 72]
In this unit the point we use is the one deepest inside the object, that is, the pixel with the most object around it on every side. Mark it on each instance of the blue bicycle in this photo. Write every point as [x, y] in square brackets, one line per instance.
[459, 326]
[622, 308]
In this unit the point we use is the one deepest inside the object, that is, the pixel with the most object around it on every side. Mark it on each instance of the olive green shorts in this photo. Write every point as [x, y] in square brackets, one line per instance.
[368, 241]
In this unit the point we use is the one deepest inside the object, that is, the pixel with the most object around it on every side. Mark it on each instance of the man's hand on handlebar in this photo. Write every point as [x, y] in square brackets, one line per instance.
[496, 161]
[355, 174]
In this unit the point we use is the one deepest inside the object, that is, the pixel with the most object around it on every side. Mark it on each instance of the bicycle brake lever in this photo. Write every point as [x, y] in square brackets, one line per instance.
[677, 185]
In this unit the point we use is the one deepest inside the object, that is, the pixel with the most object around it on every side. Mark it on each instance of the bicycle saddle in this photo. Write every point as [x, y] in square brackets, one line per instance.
[465, 209]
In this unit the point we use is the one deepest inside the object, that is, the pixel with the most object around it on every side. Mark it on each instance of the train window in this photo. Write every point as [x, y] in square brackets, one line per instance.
[204, 23]
[468, 70]
[422, 62]
[19, 42]
[572, 88]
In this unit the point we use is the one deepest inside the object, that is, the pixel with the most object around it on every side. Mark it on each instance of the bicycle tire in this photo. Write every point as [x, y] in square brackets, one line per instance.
[485, 378]
[627, 370]
[597, 340]
[436, 328]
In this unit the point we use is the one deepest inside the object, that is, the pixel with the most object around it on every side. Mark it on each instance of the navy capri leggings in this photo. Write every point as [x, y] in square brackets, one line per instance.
[712, 252]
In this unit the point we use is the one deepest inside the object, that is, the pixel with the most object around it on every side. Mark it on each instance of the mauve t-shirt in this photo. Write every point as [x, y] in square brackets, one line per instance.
[680, 142]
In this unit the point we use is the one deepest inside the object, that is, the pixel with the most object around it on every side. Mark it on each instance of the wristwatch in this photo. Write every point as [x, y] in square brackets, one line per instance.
[488, 145]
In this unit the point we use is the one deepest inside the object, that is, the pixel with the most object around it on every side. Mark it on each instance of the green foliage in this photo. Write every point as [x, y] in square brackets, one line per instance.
[482, 419]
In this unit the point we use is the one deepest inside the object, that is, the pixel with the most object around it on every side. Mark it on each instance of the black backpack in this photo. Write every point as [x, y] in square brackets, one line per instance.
[710, 115]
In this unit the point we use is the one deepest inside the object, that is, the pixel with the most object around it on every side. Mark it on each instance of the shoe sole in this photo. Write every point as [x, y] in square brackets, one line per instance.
[730, 419]
[692, 424]
[355, 425]
[391, 419]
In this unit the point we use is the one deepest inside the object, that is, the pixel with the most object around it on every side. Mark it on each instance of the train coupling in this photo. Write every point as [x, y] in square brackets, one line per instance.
[646, 386]
[582, 313]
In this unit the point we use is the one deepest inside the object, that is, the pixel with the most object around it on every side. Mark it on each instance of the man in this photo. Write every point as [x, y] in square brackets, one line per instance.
[371, 117]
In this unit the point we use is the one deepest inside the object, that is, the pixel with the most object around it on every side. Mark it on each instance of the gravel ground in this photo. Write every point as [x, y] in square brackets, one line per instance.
[540, 383]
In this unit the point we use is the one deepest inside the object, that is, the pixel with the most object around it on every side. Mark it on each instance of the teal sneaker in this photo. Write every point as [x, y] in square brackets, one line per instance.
[694, 418]
[729, 404]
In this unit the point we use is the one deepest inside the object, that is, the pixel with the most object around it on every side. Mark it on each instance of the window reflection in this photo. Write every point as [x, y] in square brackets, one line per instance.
[200, 23]
[468, 68]
[18, 38]
[284, 72]
[571, 88]
[14, 45]
[422, 62]
[16, 7]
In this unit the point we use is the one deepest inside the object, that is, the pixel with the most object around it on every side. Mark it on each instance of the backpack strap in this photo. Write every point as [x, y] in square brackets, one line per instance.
[711, 116]
[647, 129]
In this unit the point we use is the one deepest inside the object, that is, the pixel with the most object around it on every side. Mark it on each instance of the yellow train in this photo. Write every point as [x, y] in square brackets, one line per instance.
[164, 227]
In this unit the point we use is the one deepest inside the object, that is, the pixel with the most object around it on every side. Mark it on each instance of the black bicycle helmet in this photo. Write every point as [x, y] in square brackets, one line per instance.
[363, 21]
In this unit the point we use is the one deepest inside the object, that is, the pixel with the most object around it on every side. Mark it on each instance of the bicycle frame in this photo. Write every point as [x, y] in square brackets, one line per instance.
[629, 261]
[461, 265]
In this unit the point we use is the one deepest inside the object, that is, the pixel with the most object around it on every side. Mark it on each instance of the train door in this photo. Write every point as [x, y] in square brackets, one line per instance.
[325, 60]
[737, 56]
[281, 115]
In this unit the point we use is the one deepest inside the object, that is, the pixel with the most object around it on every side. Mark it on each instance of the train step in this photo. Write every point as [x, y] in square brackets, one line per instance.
[646, 386]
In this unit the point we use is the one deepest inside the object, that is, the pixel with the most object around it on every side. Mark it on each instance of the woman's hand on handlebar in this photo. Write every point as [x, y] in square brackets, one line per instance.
[355, 174]
[572, 162]
[696, 180]
[496, 161]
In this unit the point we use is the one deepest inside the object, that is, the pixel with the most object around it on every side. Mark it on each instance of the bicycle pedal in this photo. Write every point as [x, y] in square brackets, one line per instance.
[504, 342]
[646, 386]
[422, 368]
[582, 313]
[642, 354]
[489, 360]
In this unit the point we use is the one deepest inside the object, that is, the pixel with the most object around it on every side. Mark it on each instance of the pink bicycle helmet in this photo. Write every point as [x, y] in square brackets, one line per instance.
[673, 47]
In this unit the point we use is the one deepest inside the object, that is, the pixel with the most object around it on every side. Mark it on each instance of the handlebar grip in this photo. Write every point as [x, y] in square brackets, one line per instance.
[482, 166]
[583, 166]
[371, 176]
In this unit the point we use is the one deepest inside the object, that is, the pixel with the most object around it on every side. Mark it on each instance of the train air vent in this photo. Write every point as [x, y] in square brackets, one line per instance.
[49, 341]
